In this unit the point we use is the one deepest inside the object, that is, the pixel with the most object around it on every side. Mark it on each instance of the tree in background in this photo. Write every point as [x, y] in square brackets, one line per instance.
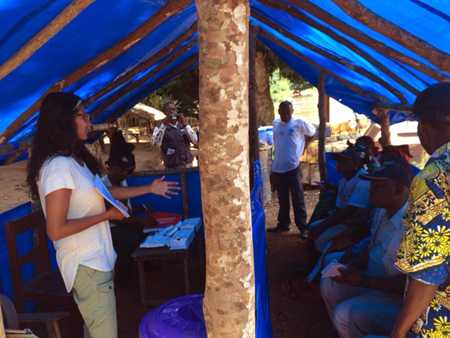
[183, 90]
[275, 82]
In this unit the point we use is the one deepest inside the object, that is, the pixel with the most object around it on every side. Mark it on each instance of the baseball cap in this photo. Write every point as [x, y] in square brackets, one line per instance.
[348, 154]
[392, 170]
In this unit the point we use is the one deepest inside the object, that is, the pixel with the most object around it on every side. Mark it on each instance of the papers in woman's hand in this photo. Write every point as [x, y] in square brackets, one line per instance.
[332, 269]
[103, 190]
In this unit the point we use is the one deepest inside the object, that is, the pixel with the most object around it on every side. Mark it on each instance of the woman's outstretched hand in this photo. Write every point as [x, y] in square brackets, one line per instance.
[164, 188]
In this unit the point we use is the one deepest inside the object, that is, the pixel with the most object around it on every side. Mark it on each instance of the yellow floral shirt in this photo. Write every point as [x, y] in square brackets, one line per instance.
[425, 249]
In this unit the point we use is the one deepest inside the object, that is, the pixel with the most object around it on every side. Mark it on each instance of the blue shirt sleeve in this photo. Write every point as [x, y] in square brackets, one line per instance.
[435, 275]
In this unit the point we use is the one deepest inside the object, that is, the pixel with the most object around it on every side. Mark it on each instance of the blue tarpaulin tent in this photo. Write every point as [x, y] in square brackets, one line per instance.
[94, 49]
[114, 53]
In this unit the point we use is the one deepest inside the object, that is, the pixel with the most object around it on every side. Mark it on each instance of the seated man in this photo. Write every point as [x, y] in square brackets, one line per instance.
[127, 234]
[366, 296]
[352, 201]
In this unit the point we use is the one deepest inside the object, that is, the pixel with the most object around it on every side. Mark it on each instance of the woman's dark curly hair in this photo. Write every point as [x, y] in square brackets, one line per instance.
[56, 136]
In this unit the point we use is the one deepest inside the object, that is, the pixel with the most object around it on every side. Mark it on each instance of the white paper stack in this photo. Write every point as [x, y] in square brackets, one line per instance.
[176, 237]
[155, 241]
[182, 239]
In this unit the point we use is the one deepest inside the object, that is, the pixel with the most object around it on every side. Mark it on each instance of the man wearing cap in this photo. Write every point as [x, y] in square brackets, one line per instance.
[290, 137]
[352, 200]
[174, 136]
[425, 249]
[366, 294]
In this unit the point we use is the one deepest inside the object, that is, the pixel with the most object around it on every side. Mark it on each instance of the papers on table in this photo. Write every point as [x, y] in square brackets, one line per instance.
[175, 237]
[103, 190]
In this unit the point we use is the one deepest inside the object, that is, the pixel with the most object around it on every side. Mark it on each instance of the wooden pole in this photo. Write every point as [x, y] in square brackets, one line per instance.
[66, 16]
[352, 67]
[253, 118]
[324, 115]
[229, 303]
[184, 194]
[379, 46]
[420, 47]
[341, 39]
[172, 7]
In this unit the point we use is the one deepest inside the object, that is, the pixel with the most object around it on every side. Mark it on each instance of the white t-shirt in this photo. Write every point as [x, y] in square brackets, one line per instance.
[289, 143]
[353, 192]
[385, 235]
[91, 247]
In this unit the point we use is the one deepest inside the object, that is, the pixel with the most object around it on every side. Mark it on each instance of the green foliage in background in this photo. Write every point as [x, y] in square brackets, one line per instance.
[184, 89]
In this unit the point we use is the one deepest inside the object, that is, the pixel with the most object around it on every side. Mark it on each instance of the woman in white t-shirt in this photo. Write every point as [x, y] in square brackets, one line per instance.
[61, 173]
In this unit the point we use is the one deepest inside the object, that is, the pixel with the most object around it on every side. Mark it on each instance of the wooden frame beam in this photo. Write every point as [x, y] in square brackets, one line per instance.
[66, 16]
[172, 8]
[367, 40]
[420, 47]
[339, 38]
[253, 119]
[324, 112]
[374, 96]
[180, 69]
[360, 70]
[142, 66]
[137, 83]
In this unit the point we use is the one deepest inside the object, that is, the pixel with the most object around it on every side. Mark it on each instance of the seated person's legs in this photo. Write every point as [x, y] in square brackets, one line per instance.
[334, 293]
[372, 312]
[325, 238]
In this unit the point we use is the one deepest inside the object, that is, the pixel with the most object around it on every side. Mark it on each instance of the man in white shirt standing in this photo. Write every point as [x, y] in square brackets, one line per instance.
[290, 137]
[174, 136]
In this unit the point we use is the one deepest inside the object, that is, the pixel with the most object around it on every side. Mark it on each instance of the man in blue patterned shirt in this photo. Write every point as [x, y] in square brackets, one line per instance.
[425, 249]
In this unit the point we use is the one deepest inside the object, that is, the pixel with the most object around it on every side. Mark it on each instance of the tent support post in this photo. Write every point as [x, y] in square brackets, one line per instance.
[324, 117]
[253, 118]
[229, 303]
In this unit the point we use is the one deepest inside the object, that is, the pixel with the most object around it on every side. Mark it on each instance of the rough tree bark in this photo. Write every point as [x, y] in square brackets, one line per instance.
[264, 103]
[229, 304]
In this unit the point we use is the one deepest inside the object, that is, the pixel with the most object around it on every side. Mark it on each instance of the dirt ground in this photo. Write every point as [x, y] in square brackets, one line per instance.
[300, 315]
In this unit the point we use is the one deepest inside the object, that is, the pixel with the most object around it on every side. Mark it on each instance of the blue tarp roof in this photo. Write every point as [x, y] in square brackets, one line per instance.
[104, 23]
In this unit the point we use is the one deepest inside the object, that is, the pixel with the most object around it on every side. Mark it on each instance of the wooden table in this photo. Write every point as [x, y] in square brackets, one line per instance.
[144, 255]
